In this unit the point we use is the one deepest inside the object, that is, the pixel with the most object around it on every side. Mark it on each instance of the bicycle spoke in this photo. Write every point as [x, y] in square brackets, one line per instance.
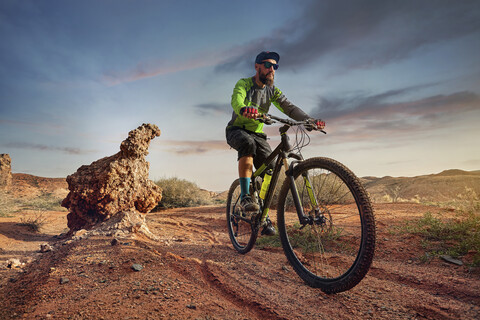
[239, 228]
[328, 247]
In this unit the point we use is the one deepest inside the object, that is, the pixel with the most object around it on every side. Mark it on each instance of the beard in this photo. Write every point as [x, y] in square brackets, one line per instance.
[267, 79]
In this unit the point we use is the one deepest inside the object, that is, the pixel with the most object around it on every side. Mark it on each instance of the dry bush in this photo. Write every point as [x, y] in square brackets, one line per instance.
[45, 202]
[6, 204]
[35, 222]
[456, 236]
[182, 193]
[10, 205]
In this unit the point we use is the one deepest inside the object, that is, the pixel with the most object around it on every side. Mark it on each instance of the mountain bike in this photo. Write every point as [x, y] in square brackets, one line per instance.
[325, 219]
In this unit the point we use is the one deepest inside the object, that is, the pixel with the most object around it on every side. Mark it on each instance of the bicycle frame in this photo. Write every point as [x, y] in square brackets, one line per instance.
[280, 156]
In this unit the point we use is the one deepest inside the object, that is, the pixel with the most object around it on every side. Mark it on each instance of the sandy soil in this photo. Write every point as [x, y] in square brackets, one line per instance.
[193, 272]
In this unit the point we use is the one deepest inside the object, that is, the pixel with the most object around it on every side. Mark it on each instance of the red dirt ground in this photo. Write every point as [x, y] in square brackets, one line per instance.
[193, 272]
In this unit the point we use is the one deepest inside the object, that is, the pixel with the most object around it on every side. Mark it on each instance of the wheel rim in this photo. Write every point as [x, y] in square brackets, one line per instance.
[239, 229]
[328, 247]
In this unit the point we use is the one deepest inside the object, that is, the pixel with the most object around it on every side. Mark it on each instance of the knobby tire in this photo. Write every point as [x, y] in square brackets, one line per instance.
[335, 253]
[242, 233]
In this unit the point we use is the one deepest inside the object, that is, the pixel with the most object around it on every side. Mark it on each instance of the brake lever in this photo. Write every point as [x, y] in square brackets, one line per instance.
[265, 118]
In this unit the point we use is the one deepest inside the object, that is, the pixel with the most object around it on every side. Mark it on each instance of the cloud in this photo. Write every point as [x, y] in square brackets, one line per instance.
[362, 117]
[213, 108]
[346, 34]
[15, 123]
[377, 107]
[41, 147]
[148, 70]
[185, 147]
[360, 34]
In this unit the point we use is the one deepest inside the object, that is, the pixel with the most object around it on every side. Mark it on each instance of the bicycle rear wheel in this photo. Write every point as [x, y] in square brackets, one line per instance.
[335, 249]
[240, 229]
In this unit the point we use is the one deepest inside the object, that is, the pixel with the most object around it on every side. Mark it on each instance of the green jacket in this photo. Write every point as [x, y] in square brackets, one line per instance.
[246, 93]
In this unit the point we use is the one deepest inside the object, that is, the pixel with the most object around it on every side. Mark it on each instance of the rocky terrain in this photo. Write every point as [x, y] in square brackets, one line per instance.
[192, 272]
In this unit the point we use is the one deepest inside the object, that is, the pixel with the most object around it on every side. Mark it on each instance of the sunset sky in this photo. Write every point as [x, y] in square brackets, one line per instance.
[397, 82]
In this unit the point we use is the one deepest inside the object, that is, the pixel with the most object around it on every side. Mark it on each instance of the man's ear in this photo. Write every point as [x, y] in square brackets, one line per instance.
[257, 66]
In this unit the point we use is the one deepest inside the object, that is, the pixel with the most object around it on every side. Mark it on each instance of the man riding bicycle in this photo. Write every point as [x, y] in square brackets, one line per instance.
[251, 97]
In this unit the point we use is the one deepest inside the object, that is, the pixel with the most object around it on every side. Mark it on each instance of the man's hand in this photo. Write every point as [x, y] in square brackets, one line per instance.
[316, 124]
[249, 112]
[319, 124]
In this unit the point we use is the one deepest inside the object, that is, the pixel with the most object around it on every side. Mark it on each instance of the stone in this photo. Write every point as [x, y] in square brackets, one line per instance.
[5, 171]
[137, 267]
[64, 280]
[113, 184]
[449, 259]
[14, 263]
[45, 247]
[125, 224]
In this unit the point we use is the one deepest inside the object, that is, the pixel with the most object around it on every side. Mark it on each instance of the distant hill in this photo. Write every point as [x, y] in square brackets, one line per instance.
[444, 186]
[26, 185]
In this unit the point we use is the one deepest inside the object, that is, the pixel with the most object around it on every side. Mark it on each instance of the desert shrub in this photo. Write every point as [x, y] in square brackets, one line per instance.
[45, 202]
[455, 236]
[35, 222]
[268, 242]
[182, 193]
[10, 205]
[6, 204]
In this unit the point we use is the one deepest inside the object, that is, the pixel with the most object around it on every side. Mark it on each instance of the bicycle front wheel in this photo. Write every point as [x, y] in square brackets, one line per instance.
[333, 248]
[240, 228]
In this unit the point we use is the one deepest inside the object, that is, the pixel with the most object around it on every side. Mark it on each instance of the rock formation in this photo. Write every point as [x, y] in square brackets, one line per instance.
[5, 171]
[114, 184]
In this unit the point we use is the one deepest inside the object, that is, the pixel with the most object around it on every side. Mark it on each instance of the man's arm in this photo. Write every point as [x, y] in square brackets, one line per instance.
[283, 104]
[238, 101]
[238, 96]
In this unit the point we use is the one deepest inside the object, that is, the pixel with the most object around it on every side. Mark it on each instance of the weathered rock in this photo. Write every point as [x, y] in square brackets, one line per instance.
[125, 224]
[45, 247]
[448, 258]
[113, 184]
[5, 171]
[137, 267]
[14, 263]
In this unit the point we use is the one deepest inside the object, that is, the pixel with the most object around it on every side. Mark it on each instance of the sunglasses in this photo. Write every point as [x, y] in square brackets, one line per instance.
[268, 65]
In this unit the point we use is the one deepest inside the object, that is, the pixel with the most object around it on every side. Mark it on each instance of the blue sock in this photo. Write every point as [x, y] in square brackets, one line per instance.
[245, 186]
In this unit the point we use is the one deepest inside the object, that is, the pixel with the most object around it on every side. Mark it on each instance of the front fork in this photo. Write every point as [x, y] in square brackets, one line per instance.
[302, 217]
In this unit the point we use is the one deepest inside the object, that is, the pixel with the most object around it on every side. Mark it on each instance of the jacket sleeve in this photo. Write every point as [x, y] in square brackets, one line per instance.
[283, 104]
[238, 96]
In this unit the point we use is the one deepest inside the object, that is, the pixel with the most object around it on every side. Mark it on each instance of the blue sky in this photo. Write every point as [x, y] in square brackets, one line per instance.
[397, 82]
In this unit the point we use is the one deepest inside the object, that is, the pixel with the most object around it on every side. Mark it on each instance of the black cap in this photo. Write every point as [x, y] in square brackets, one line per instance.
[265, 55]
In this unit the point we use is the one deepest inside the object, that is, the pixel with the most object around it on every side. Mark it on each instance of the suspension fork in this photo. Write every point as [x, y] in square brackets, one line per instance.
[311, 194]
[304, 219]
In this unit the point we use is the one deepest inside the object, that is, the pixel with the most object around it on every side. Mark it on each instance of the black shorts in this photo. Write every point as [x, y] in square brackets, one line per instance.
[249, 143]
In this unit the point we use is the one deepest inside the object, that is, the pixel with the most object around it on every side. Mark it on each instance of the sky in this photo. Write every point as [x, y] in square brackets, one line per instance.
[397, 82]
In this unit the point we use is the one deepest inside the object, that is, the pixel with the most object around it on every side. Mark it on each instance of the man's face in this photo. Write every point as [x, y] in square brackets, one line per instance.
[266, 75]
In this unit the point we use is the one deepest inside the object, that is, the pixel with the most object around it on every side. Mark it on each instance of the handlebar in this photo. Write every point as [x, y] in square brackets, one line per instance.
[269, 119]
